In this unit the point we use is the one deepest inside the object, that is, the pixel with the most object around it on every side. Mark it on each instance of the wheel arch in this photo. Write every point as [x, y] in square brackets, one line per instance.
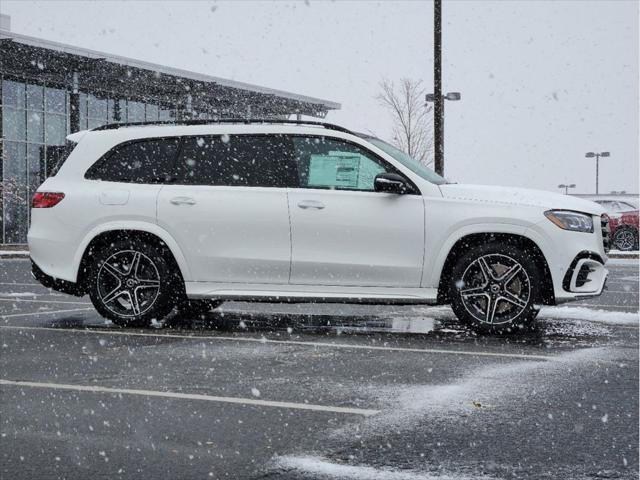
[108, 233]
[470, 240]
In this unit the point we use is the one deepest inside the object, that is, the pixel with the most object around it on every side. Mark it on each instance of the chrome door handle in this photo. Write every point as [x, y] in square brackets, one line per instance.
[311, 204]
[183, 201]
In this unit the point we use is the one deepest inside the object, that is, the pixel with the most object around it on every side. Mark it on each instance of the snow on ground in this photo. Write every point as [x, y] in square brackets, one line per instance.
[476, 391]
[323, 467]
[18, 294]
[590, 315]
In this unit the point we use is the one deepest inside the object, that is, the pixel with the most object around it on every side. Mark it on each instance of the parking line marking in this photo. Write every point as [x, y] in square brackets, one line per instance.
[193, 396]
[285, 342]
[44, 313]
[24, 300]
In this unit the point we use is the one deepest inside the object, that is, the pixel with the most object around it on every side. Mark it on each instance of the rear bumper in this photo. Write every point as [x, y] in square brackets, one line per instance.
[56, 284]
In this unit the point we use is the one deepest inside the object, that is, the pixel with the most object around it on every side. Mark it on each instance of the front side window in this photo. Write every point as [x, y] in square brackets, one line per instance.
[330, 163]
[145, 161]
[236, 160]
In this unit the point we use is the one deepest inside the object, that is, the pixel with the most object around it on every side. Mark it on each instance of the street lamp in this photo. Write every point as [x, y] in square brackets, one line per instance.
[567, 187]
[597, 157]
[438, 125]
[436, 97]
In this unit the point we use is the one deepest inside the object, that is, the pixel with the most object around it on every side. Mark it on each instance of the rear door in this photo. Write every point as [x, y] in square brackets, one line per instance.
[227, 208]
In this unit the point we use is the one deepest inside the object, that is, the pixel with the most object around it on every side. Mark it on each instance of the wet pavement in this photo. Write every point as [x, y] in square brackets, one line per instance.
[316, 391]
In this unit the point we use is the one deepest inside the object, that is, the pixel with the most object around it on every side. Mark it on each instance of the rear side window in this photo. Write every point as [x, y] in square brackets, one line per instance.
[236, 160]
[57, 155]
[141, 161]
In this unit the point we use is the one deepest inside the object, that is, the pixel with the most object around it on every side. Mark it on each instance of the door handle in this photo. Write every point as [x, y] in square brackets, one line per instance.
[311, 204]
[183, 201]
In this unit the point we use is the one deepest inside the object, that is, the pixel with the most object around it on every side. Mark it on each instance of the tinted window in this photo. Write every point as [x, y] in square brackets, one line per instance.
[236, 160]
[147, 161]
[331, 163]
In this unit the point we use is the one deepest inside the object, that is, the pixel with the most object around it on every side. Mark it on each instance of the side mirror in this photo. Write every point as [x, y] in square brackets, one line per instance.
[391, 183]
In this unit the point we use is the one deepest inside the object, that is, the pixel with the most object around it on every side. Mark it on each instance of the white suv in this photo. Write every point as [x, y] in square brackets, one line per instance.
[148, 217]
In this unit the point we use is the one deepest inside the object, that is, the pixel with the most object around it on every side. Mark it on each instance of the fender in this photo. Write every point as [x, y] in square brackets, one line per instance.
[432, 271]
[147, 227]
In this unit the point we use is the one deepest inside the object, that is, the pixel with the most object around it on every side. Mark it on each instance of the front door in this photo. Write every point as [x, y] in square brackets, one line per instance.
[342, 231]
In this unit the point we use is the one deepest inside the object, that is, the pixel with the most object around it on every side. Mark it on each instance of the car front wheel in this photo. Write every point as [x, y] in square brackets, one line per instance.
[133, 283]
[495, 287]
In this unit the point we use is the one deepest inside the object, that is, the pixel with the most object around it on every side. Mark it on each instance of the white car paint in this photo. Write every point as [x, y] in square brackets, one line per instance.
[240, 242]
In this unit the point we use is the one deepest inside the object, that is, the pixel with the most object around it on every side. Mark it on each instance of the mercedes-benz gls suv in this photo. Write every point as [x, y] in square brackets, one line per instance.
[147, 218]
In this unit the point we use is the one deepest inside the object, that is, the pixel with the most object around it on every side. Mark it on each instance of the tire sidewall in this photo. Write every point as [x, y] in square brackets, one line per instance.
[168, 282]
[524, 319]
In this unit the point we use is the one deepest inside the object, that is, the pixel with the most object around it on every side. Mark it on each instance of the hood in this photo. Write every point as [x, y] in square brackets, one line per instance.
[519, 196]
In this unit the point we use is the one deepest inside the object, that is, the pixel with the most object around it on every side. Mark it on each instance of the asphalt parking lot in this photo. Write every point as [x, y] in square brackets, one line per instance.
[316, 391]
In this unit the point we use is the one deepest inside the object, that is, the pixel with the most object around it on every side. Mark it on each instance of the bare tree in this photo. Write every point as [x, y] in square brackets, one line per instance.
[412, 120]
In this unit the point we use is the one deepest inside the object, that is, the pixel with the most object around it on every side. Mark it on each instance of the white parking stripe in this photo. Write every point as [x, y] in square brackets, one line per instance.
[49, 312]
[24, 300]
[284, 342]
[193, 396]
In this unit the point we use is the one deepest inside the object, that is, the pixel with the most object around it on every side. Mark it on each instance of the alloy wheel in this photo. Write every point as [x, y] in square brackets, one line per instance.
[495, 289]
[625, 240]
[128, 283]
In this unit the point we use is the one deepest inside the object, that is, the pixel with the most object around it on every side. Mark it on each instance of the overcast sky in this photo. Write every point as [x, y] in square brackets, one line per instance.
[542, 82]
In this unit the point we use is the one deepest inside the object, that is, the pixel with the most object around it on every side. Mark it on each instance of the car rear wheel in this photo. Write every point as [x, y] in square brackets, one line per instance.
[494, 288]
[625, 239]
[133, 283]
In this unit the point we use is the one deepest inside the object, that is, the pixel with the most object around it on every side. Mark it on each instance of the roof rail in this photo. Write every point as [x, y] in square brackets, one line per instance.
[329, 126]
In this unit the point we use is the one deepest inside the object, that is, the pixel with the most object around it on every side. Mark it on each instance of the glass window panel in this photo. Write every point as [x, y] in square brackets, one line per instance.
[15, 193]
[236, 160]
[35, 97]
[13, 94]
[83, 111]
[35, 167]
[147, 161]
[152, 113]
[135, 112]
[14, 126]
[35, 131]
[123, 111]
[96, 122]
[166, 114]
[55, 100]
[111, 117]
[334, 164]
[55, 129]
[96, 107]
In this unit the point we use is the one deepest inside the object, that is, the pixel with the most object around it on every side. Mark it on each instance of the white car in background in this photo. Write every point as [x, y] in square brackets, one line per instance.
[148, 217]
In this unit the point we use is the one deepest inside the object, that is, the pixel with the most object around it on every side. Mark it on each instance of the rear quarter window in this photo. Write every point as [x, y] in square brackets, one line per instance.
[138, 161]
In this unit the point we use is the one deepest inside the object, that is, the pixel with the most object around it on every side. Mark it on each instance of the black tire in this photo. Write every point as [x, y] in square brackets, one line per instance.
[625, 239]
[512, 288]
[140, 270]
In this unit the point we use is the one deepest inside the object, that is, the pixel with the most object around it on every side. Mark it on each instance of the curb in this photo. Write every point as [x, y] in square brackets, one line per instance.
[10, 254]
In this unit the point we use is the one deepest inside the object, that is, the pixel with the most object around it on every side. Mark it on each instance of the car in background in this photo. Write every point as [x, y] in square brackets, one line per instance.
[623, 222]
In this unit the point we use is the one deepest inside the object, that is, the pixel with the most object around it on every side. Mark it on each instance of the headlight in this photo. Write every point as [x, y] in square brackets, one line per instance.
[568, 220]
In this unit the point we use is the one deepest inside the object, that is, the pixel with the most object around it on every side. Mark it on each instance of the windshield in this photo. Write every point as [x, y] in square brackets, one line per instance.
[412, 164]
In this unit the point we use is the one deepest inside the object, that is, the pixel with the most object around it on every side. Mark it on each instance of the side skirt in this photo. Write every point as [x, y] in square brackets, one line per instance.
[310, 293]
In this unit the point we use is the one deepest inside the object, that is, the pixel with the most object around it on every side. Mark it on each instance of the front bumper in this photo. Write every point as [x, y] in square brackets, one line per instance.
[586, 277]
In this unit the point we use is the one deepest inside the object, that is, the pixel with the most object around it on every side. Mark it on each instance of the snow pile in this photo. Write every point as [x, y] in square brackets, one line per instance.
[322, 467]
[591, 315]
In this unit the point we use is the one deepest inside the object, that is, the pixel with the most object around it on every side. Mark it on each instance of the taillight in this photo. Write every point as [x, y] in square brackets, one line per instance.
[46, 199]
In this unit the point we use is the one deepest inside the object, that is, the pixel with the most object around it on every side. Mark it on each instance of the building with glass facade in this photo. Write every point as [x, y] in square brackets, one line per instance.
[49, 90]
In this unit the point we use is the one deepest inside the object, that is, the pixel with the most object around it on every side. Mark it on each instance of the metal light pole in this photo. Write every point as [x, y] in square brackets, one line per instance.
[597, 157]
[567, 187]
[436, 97]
